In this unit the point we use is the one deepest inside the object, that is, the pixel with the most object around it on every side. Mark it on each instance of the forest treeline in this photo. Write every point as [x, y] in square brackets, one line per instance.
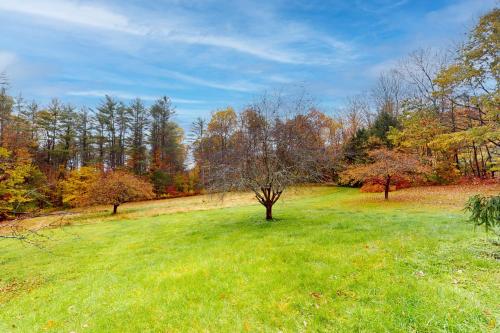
[434, 118]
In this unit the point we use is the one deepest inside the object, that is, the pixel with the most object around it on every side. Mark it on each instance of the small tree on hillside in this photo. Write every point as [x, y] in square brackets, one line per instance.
[386, 165]
[117, 187]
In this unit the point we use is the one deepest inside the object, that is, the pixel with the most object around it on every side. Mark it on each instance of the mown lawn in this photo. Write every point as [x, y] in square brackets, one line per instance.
[335, 260]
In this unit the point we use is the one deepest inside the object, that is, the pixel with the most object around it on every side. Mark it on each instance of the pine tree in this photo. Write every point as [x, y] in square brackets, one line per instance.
[108, 139]
[136, 141]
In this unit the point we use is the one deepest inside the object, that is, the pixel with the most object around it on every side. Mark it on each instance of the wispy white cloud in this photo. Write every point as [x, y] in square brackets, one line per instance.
[102, 93]
[279, 78]
[73, 12]
[187, 101]
[251, 47]
[387, 65]
[241, 86]
[461, 12]
[6, 59]
[379, 8]
[276, 48]
[128, 96]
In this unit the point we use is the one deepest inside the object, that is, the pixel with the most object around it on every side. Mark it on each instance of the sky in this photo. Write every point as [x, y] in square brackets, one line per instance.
[208, 54]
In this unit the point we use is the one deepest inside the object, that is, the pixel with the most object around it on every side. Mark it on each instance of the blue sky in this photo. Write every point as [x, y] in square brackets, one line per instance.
[207, 54]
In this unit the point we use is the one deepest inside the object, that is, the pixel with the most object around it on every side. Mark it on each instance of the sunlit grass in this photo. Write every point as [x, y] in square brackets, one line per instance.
[334, 260]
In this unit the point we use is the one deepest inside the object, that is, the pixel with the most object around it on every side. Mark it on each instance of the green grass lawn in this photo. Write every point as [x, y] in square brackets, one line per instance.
[335, 260]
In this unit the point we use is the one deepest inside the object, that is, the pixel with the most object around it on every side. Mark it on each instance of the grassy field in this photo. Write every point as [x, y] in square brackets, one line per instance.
[335, 260]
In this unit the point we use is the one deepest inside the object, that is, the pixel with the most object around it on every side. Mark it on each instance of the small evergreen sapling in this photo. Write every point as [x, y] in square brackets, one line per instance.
[485, 211]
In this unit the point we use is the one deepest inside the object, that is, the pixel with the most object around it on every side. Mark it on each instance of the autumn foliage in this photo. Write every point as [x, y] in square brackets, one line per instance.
[431, 115]
[76, 188]
[15, 173]
[387, 166]
[118, 187]
[89, 186]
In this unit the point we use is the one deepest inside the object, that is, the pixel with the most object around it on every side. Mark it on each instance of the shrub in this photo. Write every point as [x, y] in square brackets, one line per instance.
[485, 211]
[375, 188]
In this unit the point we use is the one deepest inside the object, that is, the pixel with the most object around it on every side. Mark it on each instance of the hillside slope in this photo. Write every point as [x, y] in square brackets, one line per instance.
[334, 260]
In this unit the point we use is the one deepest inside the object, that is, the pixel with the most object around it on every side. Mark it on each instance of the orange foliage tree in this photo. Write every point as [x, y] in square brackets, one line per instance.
[386, 165]
[117, 187]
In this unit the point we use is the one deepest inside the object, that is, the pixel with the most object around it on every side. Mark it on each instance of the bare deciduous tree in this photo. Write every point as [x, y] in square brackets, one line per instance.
[389, 92]
[271, 149]
[419, 70]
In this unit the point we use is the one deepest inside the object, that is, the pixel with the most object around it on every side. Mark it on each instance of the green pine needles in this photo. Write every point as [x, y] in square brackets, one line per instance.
[485, 211]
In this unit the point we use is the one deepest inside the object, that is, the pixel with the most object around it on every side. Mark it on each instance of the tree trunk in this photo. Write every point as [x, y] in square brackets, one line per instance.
[269, 211]
[387, 187]
[115, 207]
[457, 162]
[476, 162]
[489, 160]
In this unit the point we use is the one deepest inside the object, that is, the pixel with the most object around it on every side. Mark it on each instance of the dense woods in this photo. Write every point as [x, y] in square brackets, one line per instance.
[435, 115]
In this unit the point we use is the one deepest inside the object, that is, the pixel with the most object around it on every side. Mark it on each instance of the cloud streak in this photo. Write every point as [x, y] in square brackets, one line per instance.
[276, 49]
[6, 59]
[128, 96]
[240, 86]
[74, 13]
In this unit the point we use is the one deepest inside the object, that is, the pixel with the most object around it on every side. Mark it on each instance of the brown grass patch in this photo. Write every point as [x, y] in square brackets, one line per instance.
[451, 196]
[151, 208]
[12, 288]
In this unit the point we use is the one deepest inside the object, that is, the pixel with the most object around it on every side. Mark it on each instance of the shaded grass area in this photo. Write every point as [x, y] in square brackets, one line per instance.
[334, 260]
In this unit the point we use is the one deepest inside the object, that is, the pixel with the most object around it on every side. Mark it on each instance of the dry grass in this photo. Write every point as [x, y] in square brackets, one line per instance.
[453, 196]
[450, 196]
[151, 208]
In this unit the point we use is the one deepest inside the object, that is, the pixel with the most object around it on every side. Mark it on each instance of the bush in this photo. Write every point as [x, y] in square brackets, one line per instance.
[376, 185]
[375, 188]
[485, 211]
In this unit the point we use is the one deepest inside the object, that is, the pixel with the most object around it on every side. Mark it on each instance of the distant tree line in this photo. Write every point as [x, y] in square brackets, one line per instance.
[441, 107]
[43, 146]
[434, 118]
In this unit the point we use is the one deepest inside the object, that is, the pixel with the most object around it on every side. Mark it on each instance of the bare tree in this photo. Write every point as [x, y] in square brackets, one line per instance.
[4, 82]
[31, 234]
[419, 70]
[197, 138]
[389, 92]
[34, 236]
[269, 151]
[356, 114]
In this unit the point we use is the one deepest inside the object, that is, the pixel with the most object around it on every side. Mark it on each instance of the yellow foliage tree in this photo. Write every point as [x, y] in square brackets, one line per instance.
[14, 190]
[77, 186]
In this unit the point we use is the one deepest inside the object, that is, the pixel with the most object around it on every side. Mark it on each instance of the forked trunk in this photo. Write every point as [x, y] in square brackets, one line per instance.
[269, 211]
[268, 198]
[387, 187]
[115, 208]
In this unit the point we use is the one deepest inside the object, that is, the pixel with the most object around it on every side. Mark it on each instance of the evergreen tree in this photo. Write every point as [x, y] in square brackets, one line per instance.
[137, 146]
[84, 137]
[382, 125]
[356, 149]
[122, 127]
[109, 146]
